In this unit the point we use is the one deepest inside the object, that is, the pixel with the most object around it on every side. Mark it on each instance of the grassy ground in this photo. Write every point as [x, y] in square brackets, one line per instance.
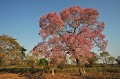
[66, 73]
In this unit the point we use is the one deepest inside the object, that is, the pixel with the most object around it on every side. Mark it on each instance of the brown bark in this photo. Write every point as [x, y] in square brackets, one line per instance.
[80, 67]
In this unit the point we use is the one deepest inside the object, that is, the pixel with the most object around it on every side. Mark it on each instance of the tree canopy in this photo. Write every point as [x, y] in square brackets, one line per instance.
[75, 32]
[10, 51]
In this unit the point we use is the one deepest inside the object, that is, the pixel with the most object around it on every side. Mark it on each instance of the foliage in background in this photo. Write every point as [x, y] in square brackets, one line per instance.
[43, 62]
[11, 53]
[104, 56]
[111, 60]
[118, 59]
[107, 58]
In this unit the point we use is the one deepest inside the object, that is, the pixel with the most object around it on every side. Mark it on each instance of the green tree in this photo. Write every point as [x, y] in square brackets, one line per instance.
[43, 62]
[11, 53]
[111, 59]
[104, 56]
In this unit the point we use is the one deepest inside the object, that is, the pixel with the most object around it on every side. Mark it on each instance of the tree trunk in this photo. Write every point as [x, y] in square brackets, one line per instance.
[80, 67]
[53, 73]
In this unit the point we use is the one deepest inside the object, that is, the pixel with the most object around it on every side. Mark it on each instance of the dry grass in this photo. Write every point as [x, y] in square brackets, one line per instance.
[60, 76]
[67, 73]
[10, 76]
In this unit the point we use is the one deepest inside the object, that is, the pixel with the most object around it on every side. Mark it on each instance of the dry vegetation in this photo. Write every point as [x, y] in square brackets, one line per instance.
[60, 76]
[66, 73]
[10, 76]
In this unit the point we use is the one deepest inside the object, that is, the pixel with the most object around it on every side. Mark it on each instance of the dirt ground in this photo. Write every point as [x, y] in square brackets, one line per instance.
[59, 76]
[10, 76]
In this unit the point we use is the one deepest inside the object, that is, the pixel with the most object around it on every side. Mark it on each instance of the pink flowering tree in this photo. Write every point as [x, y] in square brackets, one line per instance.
[76, 31]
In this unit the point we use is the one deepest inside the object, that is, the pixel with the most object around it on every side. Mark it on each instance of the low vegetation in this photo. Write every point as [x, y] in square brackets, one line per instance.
[68, 72]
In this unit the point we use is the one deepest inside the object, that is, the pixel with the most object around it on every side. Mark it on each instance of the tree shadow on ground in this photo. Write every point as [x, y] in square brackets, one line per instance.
[38, 75]
[28, 73]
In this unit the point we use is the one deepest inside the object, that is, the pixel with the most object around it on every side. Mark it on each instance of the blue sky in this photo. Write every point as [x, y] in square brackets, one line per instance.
[20, 19]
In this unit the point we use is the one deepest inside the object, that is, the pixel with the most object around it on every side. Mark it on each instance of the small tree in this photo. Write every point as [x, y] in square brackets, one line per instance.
[43, 62]
[111, 59]
[104, 56]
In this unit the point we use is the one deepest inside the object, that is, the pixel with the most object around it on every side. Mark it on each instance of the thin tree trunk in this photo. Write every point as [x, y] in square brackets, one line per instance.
[53, 73]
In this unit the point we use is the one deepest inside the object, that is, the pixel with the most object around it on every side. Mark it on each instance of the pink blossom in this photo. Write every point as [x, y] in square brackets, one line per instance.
[75, 31]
